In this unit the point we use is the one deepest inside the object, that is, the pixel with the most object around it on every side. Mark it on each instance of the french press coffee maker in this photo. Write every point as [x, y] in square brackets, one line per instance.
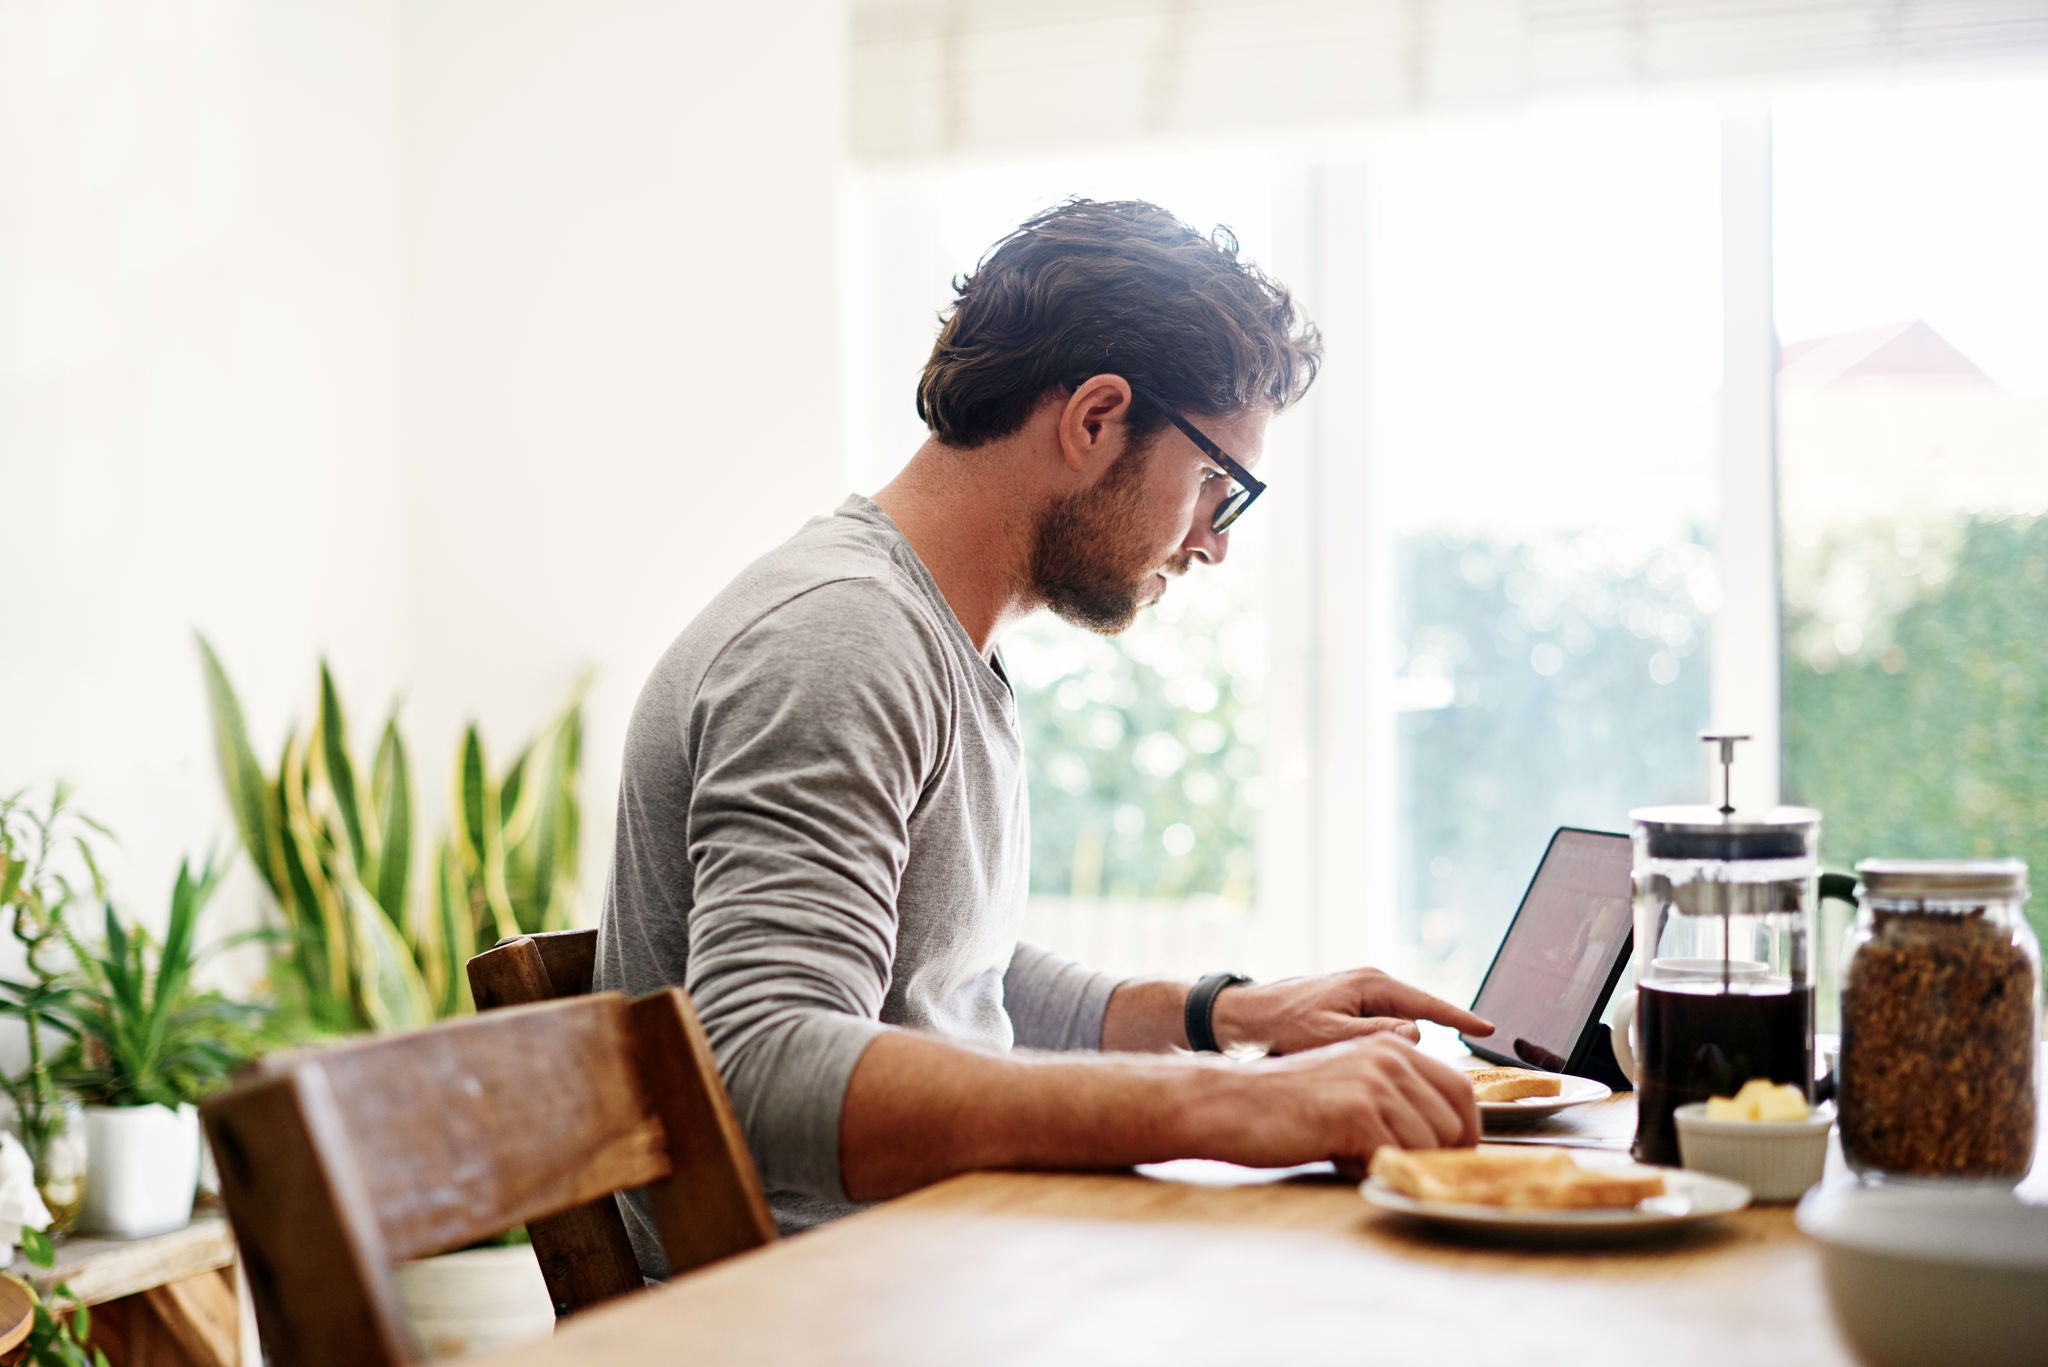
[1724, 936]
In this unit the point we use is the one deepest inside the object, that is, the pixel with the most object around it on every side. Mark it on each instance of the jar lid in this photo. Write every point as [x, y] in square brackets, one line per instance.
[1944, 880]
[1699, 832]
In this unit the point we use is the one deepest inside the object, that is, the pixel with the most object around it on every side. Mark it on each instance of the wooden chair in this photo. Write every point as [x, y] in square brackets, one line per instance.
[337, 1163]
[534, 968]
[584, 1253]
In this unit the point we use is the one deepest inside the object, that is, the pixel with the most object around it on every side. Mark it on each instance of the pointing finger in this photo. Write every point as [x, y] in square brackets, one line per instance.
[1416, 1004]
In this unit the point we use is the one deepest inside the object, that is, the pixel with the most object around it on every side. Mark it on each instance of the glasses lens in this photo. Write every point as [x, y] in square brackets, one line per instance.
[1227, 511]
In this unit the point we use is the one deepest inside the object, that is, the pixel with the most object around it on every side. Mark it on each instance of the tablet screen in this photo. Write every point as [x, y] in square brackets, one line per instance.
[1554, 968]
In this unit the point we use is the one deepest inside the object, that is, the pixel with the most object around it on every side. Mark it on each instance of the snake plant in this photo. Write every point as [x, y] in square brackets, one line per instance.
[363, 947]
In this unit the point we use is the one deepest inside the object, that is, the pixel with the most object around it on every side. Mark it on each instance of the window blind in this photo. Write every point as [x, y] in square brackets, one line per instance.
[933, 78]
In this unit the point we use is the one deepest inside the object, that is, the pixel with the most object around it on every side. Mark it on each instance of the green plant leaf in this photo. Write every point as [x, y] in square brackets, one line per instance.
[174, 960]
[323, 901]
[391, 795]
[457, 930]
[37, 1248]
[393, 994]
[547, 831]
[510, 791]
[337, 769]
[91, 862]
[483, 852]
[471, 793]
[240, 773]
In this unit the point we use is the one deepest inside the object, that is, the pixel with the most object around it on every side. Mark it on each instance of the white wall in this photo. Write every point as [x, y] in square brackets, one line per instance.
[621, 336]
[199, 420]
[472, 342]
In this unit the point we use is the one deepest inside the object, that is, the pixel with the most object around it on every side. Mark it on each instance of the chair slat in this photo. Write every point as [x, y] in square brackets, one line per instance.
[534, 968]
[712, 1206]
[460, 1130]
[584, 1253]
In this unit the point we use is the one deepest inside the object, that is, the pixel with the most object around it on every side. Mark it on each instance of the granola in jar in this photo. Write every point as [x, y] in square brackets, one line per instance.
[1940, 1003]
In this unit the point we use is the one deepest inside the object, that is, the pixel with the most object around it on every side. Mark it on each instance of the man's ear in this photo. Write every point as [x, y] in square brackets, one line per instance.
[1091, 424]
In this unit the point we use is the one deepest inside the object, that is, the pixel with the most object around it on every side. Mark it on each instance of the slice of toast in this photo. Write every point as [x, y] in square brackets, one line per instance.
[1530, 1179]
[1512, 1084]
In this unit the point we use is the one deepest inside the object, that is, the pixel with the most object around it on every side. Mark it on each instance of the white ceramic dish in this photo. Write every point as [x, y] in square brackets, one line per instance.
[1931, 1275]
[1688, 1197]
[1574, 1091]
[1776, 1159]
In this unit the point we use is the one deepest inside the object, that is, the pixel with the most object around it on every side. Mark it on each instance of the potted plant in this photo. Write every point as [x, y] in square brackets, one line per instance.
[360, 947]
[148, 1046]
[35, 894]
[57, 1337]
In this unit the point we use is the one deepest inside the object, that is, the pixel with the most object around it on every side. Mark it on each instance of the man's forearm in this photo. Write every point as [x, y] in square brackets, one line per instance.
[919, 1109]
[1145, 1016]
[1149, 1016]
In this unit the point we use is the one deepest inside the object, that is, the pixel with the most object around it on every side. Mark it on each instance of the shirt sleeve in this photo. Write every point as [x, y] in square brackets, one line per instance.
[1054, 1002]
[809, 743]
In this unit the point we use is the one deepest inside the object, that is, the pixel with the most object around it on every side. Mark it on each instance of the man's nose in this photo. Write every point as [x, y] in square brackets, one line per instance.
[1203, 542]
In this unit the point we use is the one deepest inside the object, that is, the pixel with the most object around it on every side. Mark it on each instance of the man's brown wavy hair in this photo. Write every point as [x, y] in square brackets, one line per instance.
[1113, 287]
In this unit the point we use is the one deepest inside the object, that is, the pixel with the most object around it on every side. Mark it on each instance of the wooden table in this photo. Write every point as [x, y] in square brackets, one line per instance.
[1198, 1263]
[170, 1300]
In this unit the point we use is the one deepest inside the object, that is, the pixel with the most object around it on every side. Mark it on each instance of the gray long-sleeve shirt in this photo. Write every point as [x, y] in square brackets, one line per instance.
[823, 834]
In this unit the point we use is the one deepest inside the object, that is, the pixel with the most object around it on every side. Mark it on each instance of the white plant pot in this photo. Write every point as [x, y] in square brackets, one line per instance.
[476, 1300]
[142, 1170]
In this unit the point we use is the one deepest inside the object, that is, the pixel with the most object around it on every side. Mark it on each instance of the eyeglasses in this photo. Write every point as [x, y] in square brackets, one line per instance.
[1246, 488]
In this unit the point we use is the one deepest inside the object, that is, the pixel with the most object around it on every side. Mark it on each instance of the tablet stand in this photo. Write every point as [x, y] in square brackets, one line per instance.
[1599, 1063]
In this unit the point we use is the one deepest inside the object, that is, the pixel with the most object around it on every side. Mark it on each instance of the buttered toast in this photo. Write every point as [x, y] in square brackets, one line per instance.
[1512, 1084]
[1537, 1179]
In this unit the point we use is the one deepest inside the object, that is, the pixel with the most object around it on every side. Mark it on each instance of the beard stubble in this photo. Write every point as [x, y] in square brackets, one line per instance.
[1090, 561]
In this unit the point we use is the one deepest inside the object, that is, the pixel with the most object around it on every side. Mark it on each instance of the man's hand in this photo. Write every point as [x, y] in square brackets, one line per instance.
[1298, 1014]
[1344, 1101]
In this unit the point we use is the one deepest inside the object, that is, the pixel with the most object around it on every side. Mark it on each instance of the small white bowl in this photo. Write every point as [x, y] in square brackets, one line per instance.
[1776, 1159]
[1929, 1276]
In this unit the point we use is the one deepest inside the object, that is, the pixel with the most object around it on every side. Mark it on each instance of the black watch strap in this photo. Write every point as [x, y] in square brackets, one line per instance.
[1200, 1014]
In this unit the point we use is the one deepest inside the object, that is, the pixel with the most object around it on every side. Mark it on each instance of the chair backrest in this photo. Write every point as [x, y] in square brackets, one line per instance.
[584, 1253]
[534, 968]
[338, 1163]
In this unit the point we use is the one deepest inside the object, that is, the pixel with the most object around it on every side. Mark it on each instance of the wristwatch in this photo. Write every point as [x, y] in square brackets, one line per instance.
[1200, 1014]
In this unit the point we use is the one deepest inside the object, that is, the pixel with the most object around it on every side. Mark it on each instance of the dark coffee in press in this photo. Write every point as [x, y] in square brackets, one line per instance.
[1704, 1039]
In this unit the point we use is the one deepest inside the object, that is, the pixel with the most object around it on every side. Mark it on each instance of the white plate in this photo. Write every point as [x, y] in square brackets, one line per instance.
[1573, 1091]
[1688, 1197]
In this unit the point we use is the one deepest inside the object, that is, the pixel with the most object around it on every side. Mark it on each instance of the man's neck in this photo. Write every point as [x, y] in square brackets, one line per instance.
[970, 525]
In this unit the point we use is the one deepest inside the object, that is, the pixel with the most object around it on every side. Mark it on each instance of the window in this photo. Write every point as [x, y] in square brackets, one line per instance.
[1514, 560]
[1913, 454]
[1544, 311]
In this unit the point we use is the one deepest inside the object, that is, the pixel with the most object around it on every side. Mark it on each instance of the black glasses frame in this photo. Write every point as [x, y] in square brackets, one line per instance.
[1248, 488]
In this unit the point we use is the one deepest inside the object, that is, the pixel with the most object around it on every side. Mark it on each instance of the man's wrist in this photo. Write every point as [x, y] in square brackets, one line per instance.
[1236, 1017]
[1213, 1098]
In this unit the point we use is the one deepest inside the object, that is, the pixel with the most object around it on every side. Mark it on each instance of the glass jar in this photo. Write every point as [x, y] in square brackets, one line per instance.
[1941, 1002]
[53, 1135]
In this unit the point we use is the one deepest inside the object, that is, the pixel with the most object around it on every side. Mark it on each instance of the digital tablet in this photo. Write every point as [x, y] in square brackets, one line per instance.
[1560, 960]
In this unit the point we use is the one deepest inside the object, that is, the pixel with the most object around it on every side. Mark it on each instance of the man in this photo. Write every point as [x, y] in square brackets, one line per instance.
[822, 824]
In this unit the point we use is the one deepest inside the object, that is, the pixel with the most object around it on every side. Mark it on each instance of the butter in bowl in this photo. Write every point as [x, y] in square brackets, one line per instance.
[1765, 1137]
